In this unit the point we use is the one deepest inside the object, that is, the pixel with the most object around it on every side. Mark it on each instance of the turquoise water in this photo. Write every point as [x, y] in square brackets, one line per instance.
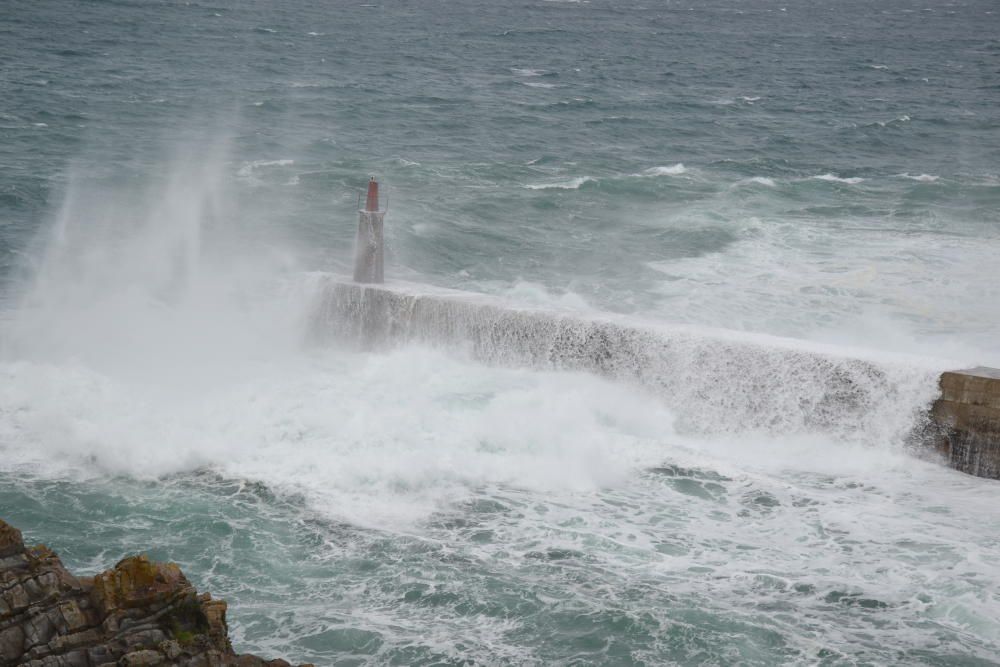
[811, 176]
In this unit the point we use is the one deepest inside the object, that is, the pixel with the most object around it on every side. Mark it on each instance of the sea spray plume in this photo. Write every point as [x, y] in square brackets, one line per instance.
[164, 280]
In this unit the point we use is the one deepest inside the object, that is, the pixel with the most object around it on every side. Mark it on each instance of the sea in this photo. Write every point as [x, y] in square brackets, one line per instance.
[792, 177]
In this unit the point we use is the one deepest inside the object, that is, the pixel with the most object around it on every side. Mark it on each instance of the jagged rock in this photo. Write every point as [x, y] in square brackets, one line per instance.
[138, 614]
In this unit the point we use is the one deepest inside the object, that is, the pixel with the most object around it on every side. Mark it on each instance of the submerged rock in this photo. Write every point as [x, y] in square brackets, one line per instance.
[139, 613]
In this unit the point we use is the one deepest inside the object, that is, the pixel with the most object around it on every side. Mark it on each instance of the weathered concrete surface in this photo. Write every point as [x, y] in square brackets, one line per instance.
[718, 381]
[137, 614]
[715, 382]
[968, 413]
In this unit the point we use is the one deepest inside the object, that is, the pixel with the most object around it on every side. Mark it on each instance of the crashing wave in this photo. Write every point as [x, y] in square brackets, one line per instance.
[716, 381]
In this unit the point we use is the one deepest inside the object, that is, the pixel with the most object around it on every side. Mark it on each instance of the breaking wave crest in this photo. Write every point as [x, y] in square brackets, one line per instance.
[833, 178]
[572, 184]
[671, 170]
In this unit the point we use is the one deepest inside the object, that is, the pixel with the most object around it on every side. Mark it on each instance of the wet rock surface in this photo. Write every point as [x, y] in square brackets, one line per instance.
[139, 613]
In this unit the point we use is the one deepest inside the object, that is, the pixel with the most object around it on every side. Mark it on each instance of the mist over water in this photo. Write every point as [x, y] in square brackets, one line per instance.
[799, 205]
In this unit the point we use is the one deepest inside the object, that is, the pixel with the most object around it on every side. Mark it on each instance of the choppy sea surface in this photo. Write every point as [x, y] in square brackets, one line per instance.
[808, 175]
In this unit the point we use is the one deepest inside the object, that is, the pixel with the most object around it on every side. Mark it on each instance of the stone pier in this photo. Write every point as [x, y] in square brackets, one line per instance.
[720, 382]
[968, 413]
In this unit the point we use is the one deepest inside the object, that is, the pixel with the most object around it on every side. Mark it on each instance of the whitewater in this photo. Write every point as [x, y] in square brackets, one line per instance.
[671, 291]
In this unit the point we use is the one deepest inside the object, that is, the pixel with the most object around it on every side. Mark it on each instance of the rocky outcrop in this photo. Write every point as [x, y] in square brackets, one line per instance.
[138, 614]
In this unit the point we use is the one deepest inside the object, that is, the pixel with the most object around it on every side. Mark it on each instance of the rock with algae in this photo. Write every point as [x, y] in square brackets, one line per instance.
[138, 614]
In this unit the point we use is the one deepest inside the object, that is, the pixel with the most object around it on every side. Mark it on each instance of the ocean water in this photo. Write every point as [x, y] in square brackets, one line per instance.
[792, 178]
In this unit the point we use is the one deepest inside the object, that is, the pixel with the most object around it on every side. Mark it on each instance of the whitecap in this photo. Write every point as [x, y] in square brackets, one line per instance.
[923, 178]
[854, 180]
[672, 170]
[760, 180]
[40, 124]
[539, 84]
[901, 119]
[527, 71]
[248, 168]
[879, 66]
[572, 184]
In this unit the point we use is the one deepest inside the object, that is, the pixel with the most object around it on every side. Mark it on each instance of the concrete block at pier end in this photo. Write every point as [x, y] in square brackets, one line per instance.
[968, 413]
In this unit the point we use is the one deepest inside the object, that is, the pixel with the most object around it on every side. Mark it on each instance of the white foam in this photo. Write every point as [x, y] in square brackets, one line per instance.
[351, 432]
[899, 119]
[539, 84]
[539, 296]
[923, 178]
[859, 284]
[671, 170]
[246, 171]
[572, 184]
[760, 180]
[833, 178]
[527, 72]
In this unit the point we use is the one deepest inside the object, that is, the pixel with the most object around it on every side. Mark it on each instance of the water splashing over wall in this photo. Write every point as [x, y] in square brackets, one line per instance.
[718, 382]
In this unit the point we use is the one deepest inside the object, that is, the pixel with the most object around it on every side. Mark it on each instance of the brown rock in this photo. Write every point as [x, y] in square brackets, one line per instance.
[138, 582]
[138, 614]
[144, 658]
[11, 542]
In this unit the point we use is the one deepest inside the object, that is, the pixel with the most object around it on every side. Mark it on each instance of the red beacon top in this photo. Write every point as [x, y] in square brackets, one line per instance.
[371, 203]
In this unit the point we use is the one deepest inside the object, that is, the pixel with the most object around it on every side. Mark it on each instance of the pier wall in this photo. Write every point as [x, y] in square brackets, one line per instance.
[968, 413]
[717, 381]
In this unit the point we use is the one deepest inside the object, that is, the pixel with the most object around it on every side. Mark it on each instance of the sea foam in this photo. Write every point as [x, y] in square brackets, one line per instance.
[671, 170]
[833, 178]
[572, 184]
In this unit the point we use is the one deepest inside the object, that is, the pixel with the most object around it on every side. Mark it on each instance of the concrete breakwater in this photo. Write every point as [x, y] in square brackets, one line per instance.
[717, 381]
[968, 413]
